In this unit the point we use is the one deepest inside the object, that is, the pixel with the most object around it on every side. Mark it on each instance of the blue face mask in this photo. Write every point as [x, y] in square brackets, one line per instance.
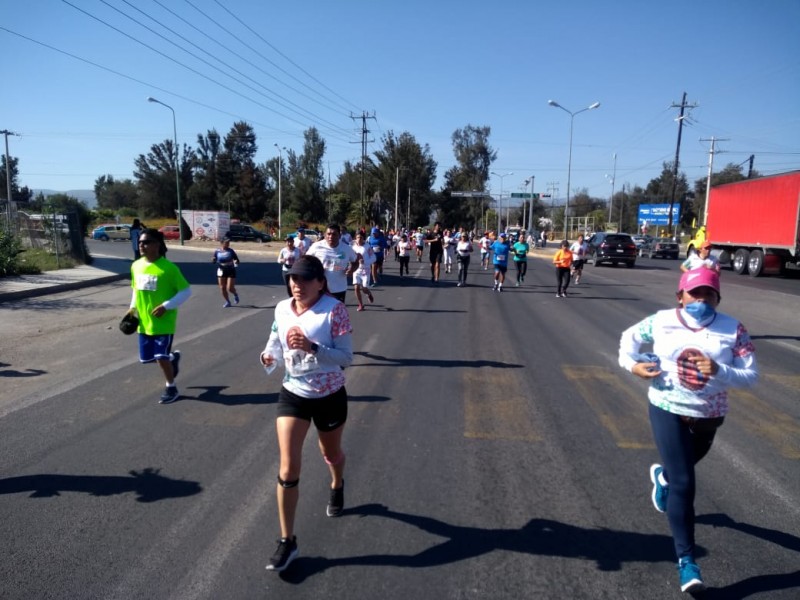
[699, 311]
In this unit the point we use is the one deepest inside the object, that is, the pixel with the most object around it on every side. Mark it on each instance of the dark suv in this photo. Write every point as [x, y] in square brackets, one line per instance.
[246, 233]
[612, 247]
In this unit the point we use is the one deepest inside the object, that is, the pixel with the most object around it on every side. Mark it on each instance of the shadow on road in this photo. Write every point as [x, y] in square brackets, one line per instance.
[147, 484]
[609, 549]
[213, 393]
[4, 372]
[383, 361]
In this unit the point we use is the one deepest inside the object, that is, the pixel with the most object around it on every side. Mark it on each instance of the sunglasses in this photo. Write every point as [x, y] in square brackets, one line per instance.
[146, 242]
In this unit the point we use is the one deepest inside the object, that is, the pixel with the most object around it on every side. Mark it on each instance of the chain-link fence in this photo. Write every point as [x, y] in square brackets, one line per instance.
[59, 234]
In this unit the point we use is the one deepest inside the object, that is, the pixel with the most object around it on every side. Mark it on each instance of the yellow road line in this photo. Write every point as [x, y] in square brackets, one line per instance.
[620, 409]
[490, 417]
[761, 419]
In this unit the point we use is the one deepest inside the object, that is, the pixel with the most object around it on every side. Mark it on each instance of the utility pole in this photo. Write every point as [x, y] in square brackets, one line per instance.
[364, 141]
[7, 133]
[750, 170]
[613, 179]
[713, 141]
[680, 119]
[552, 187]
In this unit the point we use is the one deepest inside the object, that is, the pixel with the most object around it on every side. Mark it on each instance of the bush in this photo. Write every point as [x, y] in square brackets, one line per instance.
[10, 248]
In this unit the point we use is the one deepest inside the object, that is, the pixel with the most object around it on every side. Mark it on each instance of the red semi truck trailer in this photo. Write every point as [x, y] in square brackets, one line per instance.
[754, 225]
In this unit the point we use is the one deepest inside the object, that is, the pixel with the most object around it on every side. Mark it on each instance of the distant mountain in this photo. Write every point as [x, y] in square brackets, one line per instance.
[85, 196]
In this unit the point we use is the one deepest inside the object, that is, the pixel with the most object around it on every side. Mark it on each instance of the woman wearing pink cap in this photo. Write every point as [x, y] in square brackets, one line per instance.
[697, 354]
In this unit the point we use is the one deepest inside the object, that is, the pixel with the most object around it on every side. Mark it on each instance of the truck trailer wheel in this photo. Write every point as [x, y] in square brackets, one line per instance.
[740, 259]
[755, 264]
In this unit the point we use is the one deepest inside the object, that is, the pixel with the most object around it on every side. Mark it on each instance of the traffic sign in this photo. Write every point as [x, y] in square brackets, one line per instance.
[524, 195]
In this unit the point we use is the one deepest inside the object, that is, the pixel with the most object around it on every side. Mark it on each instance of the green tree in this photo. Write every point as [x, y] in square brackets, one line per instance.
[474, 157]
[659, 189]
[18, 194]
[400, 165]
[240, 181]
[155, 177]
[204, 193]
[114, 194]
[306, 178]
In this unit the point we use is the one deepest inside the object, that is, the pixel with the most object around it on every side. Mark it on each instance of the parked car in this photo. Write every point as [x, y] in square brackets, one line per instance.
[641, 240]
[247, 233]
[111, 232]
[310, 234]
[612, 247]
[171, 232]
[660, 247]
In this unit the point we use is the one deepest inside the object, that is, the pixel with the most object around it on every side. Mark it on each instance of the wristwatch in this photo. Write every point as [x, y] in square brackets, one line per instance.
[314, 347]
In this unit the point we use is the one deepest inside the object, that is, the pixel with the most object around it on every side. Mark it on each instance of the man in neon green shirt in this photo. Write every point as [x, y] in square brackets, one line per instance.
[159, 288]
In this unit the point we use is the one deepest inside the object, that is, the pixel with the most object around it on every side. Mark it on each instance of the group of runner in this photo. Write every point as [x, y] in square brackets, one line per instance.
[697, 354]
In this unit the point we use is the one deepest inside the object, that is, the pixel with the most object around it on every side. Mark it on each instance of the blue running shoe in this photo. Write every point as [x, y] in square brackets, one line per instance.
[227, 304]
[236, 298]
[660, 487]
[691, 580]
[176, 362]
[169, 395]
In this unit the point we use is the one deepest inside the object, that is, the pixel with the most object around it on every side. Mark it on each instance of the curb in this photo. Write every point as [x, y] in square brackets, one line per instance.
[59, 287]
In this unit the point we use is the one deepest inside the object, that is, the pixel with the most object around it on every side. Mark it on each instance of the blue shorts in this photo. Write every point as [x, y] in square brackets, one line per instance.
[155, 347]
[501, 268]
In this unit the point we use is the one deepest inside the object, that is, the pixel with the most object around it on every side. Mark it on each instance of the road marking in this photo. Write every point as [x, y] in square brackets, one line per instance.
[620, 409]
[487, 417]
[759, 418]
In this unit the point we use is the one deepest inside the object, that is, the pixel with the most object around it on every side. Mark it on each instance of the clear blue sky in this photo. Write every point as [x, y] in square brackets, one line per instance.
[423, 67]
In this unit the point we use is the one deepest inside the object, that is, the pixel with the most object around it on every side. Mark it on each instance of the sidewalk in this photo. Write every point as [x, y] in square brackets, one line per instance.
[52, 282]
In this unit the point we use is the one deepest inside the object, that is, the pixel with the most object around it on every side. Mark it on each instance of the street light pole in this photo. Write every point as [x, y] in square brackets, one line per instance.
[280, 195]
[500, 206]
[569, 164]
[177, 172]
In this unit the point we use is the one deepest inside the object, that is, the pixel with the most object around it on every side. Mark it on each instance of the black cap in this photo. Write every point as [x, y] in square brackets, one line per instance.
[308, 267]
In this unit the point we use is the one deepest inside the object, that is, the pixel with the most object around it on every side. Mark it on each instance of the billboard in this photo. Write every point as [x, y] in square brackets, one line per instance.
[658, 214]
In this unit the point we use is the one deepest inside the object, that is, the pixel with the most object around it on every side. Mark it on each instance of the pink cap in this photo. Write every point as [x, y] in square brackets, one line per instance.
[701, 277]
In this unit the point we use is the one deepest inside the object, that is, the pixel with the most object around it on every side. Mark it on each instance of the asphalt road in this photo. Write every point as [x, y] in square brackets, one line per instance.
[495, 450]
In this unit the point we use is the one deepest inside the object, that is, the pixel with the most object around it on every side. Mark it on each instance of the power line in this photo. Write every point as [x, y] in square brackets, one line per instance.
[269, 93]
[185, 66]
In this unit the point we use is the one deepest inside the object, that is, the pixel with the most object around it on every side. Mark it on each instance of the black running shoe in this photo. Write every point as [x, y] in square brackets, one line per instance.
[336, 502]
[176, 362]
[285, 553]
[169, 395]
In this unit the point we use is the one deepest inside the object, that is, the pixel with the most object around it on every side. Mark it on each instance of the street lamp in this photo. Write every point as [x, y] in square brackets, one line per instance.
[500, 207]
[280, 197]
[177, 174]
[569, 164]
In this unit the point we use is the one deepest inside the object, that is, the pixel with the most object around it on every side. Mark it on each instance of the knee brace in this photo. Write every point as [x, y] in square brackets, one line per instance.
[287, 484]
[334, 461]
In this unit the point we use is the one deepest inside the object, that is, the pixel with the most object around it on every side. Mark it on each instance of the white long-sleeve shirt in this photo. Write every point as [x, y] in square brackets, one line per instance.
[680, 388]
[327, 324]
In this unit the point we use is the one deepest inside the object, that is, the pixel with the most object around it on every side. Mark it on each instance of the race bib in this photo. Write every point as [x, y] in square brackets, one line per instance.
[146, 283]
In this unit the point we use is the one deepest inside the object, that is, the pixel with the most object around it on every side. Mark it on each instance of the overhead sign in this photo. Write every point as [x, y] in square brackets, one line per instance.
[658, 214]
[527, 195]
[469, 194]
